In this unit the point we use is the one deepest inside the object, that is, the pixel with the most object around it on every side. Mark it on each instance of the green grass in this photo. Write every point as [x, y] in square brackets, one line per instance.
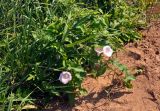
[41, 38]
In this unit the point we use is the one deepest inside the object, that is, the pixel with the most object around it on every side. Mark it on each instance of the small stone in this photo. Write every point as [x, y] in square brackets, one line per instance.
[95, 95]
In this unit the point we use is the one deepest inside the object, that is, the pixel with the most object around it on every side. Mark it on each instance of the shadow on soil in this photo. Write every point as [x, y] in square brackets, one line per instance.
[109, 93]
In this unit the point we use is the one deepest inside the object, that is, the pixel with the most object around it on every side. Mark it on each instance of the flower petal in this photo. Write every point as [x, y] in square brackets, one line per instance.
[65, 77]
[107, 51]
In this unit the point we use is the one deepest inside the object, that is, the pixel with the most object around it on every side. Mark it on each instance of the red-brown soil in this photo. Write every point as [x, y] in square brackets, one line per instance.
[143, 59]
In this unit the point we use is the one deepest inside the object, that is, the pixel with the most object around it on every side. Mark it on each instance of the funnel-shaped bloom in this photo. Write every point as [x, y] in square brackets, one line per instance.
[107, 51]
[65, 77]
[98, 51]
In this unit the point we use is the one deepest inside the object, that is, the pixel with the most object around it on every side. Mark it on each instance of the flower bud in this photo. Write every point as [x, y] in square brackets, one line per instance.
[98, 51]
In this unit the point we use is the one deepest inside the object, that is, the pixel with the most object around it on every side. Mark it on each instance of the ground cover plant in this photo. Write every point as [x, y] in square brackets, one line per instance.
[48, 46]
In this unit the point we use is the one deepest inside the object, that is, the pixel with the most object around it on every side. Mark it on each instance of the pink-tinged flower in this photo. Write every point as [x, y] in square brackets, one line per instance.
[107, 51]
[98, 51]
[65, 77]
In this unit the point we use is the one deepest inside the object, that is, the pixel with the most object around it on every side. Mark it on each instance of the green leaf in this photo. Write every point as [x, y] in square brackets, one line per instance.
[55, 93]
[81, 21]
[101, 70]
[129, 78]
[127, 81]
[2, 44]
[80, 41]
[79, 76]
[128, 84]
[31, 77]
[76, 69]
[83, 92]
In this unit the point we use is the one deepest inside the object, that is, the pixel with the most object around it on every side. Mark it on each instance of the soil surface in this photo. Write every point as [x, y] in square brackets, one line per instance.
[143, 59]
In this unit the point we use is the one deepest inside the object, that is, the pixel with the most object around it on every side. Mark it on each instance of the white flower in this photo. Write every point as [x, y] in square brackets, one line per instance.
[107, 51]
[98, 51]
[65, 77]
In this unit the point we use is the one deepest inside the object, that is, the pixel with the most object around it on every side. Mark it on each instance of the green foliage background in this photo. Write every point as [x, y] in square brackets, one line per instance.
[41, 38]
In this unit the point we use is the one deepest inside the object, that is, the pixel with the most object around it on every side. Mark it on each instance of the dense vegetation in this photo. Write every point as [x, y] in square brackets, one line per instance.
[39, 39]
